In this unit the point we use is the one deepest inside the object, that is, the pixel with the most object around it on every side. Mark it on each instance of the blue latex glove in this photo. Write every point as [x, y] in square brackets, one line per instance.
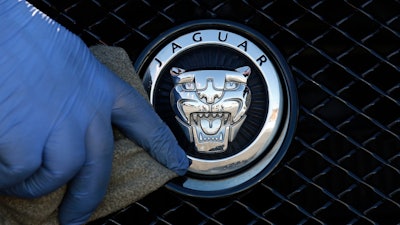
[57, 104]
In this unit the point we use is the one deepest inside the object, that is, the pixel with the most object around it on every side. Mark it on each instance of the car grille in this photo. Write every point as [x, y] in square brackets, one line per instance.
[343, 166]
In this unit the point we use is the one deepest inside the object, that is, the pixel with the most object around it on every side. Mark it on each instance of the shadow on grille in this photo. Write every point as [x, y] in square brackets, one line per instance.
[344, 165]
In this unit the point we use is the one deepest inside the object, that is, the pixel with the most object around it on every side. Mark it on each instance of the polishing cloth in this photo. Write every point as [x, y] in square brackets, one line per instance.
[134, 173]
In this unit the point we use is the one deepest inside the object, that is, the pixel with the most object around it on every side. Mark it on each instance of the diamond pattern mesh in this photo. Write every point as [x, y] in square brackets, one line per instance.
[343, 166]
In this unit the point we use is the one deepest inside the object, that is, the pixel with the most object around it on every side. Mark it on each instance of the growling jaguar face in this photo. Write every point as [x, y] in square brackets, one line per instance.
[210, 105]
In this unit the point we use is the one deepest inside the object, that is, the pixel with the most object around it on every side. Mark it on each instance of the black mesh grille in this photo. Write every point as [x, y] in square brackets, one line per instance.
[343, 166]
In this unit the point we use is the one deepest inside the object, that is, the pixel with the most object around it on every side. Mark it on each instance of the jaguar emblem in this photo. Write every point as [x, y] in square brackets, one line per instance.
[210, 105]
[228, 95]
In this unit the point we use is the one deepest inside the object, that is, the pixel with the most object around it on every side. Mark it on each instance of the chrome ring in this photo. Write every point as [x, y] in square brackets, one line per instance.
[210, 176]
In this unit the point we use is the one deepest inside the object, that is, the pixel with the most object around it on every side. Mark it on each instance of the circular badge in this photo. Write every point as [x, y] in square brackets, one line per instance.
[228, 96]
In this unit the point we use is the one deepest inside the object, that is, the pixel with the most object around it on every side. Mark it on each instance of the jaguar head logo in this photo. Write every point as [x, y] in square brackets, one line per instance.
[210, 105]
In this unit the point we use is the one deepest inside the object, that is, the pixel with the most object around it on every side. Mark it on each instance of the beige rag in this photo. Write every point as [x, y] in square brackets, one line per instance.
[134, 173]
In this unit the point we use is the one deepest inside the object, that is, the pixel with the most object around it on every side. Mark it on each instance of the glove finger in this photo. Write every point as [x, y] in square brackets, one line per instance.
[137, 119]
[20, 157]
[63, 156]
[89, 186]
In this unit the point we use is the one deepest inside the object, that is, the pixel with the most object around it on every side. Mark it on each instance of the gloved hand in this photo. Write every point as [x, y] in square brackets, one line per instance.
[57, 104]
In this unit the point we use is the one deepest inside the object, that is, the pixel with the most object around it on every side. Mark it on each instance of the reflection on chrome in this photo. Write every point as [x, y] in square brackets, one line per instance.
[210, 105]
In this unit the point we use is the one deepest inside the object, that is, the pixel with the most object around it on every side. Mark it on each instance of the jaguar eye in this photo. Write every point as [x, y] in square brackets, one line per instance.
[188, 86]
[231, 85]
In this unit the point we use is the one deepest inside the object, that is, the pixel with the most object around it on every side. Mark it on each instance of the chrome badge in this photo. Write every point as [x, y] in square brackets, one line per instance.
[228, 96]
[210, 105]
